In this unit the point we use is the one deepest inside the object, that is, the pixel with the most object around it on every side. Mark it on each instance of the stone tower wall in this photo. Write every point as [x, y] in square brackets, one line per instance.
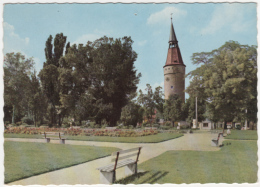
[174, 80]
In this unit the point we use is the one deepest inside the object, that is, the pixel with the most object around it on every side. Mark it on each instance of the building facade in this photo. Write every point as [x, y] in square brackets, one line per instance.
[174, 69]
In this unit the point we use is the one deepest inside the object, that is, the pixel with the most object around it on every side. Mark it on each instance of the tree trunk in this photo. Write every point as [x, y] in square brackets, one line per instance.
[224, 126]
[172, 123]
[13, 114]
[59, 120]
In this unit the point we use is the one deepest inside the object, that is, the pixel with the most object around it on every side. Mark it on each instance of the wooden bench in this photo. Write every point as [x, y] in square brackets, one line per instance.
[223, 133]
[214, 142]
[120, 159]
[54, 136]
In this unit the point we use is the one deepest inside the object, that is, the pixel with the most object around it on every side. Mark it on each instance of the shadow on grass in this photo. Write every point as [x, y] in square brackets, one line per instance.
[153, 177]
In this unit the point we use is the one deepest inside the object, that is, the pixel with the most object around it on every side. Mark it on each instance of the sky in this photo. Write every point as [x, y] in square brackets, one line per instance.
[198, 27]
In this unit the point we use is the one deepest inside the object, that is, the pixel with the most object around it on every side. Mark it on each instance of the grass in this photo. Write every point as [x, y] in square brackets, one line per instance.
[242, 135]
[160, 137]
[23, 160]
[235, 163]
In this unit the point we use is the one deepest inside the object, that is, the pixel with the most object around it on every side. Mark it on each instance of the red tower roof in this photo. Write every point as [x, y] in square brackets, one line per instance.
[174, 53]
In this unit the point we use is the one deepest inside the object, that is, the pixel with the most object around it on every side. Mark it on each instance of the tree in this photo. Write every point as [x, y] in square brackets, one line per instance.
[50, 73]
[37, 101]
[101, 73]
[172, 109]
[113, 75]
[131, 114]
[227, 80]
[17, 70]
[151, 101]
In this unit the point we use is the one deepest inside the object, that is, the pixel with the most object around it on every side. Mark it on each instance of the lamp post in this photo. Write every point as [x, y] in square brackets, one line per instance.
[196, 112]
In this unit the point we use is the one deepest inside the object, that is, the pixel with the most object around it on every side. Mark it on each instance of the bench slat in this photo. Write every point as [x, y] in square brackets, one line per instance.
[124, 157]
[120, 164]
[125, 151]
[107, 167]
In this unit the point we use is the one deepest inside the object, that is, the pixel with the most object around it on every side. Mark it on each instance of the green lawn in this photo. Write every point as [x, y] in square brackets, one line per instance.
[27, 159]
[235, 163]
[242, 135]
[160, 137]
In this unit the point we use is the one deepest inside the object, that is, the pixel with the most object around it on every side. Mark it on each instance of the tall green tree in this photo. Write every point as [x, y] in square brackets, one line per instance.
[17, 70]
[113, 74]
[151, 100]
[172, 110]
[131, 114]
[37, 100]
[227, 80]
[50, 73]
[102, 75]
[74, 79]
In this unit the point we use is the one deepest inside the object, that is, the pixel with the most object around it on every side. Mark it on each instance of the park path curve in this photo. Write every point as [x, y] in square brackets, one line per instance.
[87, 173]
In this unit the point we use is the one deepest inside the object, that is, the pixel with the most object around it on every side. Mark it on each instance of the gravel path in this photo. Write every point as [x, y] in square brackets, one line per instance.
[88, 174]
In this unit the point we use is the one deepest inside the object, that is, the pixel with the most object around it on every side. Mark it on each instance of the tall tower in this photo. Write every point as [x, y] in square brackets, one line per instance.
[174, 69]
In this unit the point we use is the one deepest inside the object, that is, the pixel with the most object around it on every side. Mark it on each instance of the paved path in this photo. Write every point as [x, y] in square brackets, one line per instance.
[87, 173]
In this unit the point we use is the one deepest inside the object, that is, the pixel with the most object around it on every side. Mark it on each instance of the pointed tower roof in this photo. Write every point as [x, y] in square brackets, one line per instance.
[174, 54]
[173, 38]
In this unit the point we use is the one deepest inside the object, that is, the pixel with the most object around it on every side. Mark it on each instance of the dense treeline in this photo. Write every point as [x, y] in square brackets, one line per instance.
[91, 82]
[98, 82]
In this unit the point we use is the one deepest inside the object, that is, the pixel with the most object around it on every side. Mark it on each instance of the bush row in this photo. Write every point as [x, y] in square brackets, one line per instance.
[82, 132]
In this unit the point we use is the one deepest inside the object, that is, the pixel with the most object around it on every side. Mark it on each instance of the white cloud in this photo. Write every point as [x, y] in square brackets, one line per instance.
[228, 15]
[164, 15]
[142, 43]
[12, 41]
[85, 38]
[158, 84]
[154, 85]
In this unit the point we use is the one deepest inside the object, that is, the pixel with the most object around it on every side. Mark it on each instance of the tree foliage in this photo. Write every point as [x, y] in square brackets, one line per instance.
[172, 109]
[227, 80]
[49, 74]
[101, 76]
[131, 114]
[151, 101]
[17, 70]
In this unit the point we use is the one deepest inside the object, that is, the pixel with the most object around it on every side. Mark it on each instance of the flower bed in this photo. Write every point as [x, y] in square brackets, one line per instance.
[83, 132]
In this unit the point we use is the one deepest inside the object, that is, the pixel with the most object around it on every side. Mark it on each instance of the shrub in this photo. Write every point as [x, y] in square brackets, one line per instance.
[44, 126]
[66, 125]
[184, 126]
[27, 120]
[130, 127]
[77, 123]
[167, 124]
[165, 127]
[104, 122]
[96, 126]
[156, 125]
[146, 124]
[104, 126]
[18, 123]
[25, 125]
[92, 124]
